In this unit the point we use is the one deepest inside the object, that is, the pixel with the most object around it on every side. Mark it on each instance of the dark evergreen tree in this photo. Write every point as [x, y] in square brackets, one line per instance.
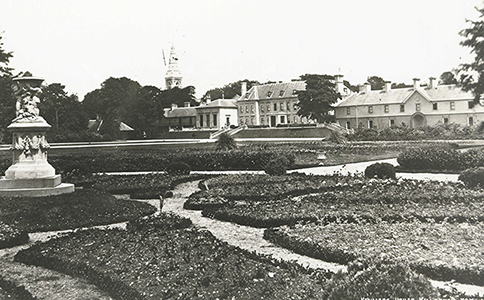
[316, 102]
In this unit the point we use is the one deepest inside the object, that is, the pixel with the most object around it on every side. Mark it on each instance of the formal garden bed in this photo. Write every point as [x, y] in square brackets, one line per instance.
[85, 207]
[334, 197]
[154, 262]
[442, 251]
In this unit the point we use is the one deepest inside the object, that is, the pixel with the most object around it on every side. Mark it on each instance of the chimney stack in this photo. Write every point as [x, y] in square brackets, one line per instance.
[243, 89]
[186, 104]
[173, 106]
[416, 83]
[388, 86]
[432, 82]
[367, 87]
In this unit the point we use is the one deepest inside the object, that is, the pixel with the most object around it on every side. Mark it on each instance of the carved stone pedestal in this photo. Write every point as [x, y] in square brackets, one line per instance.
[31, 175]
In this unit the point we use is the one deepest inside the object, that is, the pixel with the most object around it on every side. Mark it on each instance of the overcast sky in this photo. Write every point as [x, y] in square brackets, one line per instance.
[82, 43]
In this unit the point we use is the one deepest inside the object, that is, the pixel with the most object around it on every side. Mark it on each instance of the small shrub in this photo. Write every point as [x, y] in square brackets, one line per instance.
[379, 280]
[226, 142]
[380, 170]
[277, 166]
[178, 168]
[473, 177]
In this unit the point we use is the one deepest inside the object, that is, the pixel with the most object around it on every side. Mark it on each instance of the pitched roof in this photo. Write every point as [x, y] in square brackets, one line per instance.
[273, 91]
[181, 112]
[395, 96]
[125, 127]
[227, 103]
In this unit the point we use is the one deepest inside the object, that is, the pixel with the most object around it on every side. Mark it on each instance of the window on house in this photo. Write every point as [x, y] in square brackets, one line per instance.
[247, 95]
[402, 107]
[268, 107]
[252, 108]
[348, 110]
[241, 121]
[281, 93]
[262, 120]
[434, 106]
[470, 104]
[283, 119]
[246, 120]
[281, 105]
[201, 120]
[370, 124]
[348, 125]
[470, 121]
[294, 106]
[295, 119]
[262, 108]
[288, 106]
[251, 120]
[214, 119]
[275, 106]
[246, 109]
[392, 123]
[294, 92]
[387, 109]
[269, 94]
[417, 106]
[446, 120]
[452, 105]
[370, 109]
[241, 109]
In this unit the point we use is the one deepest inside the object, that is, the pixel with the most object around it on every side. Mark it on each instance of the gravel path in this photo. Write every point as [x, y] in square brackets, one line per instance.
[245, 237]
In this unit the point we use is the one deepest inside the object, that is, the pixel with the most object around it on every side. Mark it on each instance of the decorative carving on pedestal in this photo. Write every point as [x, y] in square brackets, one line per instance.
[30, 174]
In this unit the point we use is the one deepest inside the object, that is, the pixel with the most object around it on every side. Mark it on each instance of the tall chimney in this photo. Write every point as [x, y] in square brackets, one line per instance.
[416, 83]
[432, 82]
[388, 86]
[243, 89]
[174, 105]
[256, 92]
[367, 87]
[361, 88]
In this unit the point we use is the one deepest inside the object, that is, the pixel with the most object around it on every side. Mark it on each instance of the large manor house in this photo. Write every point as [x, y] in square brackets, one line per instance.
[274, 105]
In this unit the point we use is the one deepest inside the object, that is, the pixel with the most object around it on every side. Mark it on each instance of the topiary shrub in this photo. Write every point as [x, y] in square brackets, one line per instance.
[473, 177]
[380, 170]
[178, 168]
[277, 166]
[226, 142]
[380, 279]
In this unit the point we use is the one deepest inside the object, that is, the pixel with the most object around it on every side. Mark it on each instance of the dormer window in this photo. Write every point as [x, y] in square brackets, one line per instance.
[281, 93]
[294, 92]
[269, 94]
[247, 95]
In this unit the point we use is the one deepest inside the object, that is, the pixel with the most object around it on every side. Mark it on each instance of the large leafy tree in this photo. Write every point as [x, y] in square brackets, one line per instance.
[316, 102]
[376, 82]
[472, 74]
[113, 102]
[148, 110]
[7, 101]
[230, 90]
[447, 78]
[61, 110]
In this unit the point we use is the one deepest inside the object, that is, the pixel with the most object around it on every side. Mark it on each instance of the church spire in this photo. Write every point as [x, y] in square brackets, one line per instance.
[173, 76]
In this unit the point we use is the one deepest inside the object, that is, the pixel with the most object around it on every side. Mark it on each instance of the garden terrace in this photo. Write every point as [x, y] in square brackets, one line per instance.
[174, 264]
[441, 251]
[439, 160]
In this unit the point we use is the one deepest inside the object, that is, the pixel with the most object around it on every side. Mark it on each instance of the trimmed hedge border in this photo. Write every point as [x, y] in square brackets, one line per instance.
[315, 250]
[116, 288]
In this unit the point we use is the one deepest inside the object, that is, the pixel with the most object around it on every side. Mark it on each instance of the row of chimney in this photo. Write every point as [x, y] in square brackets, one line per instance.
[366, 88]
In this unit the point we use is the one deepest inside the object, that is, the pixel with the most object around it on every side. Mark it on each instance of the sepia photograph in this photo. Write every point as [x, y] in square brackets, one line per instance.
[241, 149]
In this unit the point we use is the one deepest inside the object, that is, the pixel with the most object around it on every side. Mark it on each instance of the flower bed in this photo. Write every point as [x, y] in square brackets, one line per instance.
[85, 207]
[175, 264]
[356, 200]
[442, 251]
[11, 236]
[222, 189]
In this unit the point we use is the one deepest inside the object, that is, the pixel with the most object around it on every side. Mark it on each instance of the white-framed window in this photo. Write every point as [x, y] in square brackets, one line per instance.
[386, 108]
[435, 106]
[470, 121]
[417, 106]
[452, 105]
[370, 109]
[402, 107]
[348, 110]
